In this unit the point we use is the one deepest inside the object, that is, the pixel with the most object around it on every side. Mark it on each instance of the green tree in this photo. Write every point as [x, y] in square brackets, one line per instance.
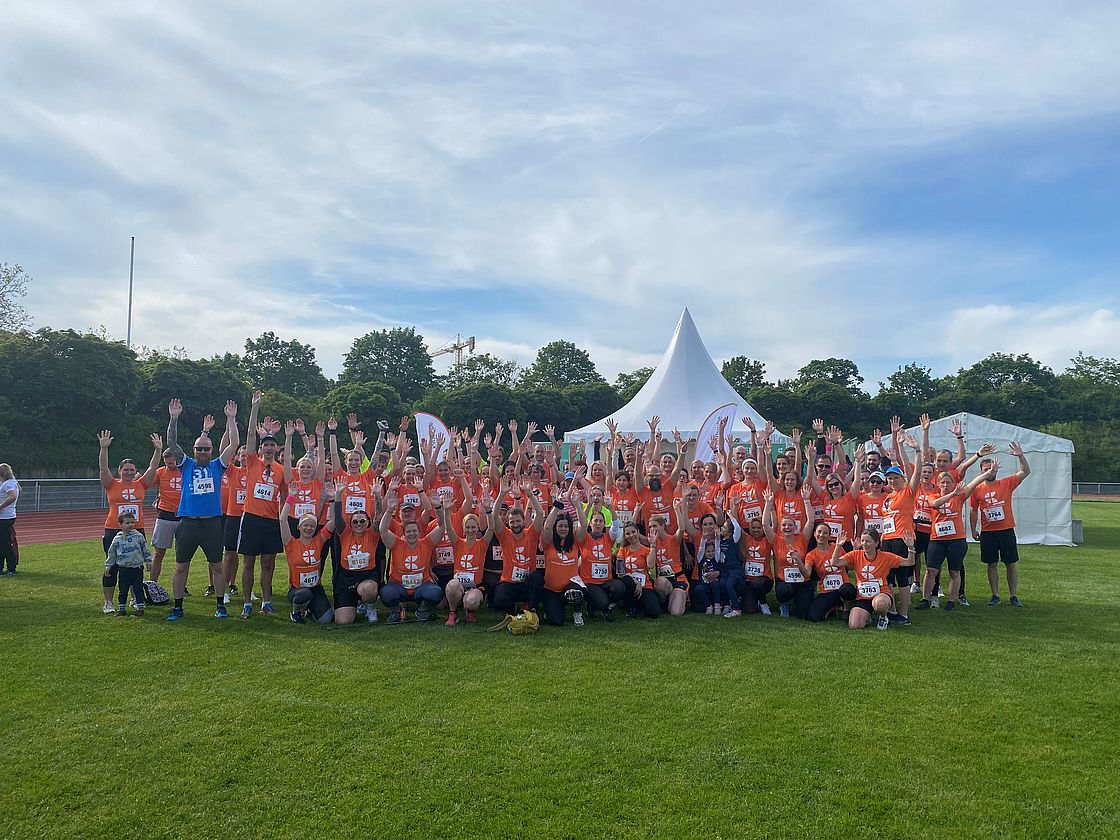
[1096, 454]
[627, 385]
[559, 364]
[371, 401]
[482, 367]
[202, 385]
[397, 357]
[1000, 369]
[272, 364]
[1105, 371]
[591, 401]
[843, 372]
[744, 374]
[485, 400]
[548, 406]
[286, 407]
[13, 285]
[830, 401]
[912, 381]
[777, 405]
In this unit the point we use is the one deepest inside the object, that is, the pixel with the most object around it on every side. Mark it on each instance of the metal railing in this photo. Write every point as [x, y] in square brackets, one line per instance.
[1096, 488]
[53, 494]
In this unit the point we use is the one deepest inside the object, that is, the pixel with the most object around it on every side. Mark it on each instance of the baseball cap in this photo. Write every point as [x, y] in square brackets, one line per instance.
[894, 471]
[877, 475]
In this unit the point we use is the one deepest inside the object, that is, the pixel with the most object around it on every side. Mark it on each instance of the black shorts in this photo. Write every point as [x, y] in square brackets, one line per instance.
[318, 603]
[346, 587]
[232, 529]
[194, 533]
[259, 536]
[678, 581]
[951, 550]
[443, 575]
[921, 543]
[865, 603]
[999, 545]
[902, 575]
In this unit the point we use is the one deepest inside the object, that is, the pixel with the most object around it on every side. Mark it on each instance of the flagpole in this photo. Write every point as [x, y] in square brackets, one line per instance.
[131, 264]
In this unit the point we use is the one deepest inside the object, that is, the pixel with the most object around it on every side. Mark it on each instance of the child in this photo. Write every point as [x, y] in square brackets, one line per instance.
[129, 554]
[731, 576]
[709, 562]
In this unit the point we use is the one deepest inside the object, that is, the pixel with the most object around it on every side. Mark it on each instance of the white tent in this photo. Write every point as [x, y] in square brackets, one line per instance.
[686, 387]
[1043, 503]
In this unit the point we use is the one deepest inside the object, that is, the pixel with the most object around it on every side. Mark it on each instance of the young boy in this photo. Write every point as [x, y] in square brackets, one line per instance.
[129, 553]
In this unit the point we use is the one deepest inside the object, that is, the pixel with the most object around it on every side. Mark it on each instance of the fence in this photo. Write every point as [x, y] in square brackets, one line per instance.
[54, 494]
[1096, 488]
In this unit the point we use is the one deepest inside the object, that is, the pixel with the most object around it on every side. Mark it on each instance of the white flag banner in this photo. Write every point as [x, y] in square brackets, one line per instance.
[710, 428]
[429, 427]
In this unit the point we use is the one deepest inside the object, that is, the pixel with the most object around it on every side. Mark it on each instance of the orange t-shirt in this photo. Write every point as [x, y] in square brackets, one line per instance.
[624, 505]
[829, 577]
[792, 505]
[659, 504]
[871, 574]
[751, 502]
[757, 555]
[125, 497]
[595, 558]
[668, 556]
[993, 501]
[357, 494]
[898, 513]
[410, 566]
[635, 563]
[560, 567]
[469, 561]
[262, 487]
[407, 494]
[444, 555]
[224, 489]
[948, 520]
[235, 501]
[359, 551]
[697, 513]
[519, 553]
[840, 514]
[450, 492]
[305, 568]
[170, 483]
[923, 514]
[308, 496]
[786, 569]
[709, 492]
[870, 508]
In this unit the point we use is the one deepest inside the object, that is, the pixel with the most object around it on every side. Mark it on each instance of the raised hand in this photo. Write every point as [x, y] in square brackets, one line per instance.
[896, 423]
[157, 441]
[795, 435]
[230, 408]
[749, 423]
[332, 424]
[351, 421]
[359, 438]
[550, 431]
[255, 400]
[530, 429]
[488, 441]
[404, 424]
[174, 408]
[912, 442]
[768, 495]
[986, 449]
[955, 426]
[320, 428]
[300, 427]
[1015, 449]
[479, 425]
[810, 452]
[612, 426]
[207, 423]
[653, 422]
[105, 438]
[924, 421]
[769, 428]
[818, 426]
[512, 426]
[876, 437]
[274, 426]
[289, 428]
[806, 490]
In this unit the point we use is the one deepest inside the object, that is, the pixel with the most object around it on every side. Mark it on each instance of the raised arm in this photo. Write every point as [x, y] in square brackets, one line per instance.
[174, 409]
[768, 514]
[232, 436]
[285, 512]
[251, 432]
[157, 455]
[958, 431]
[388, 538]
[332, 432]
[1024, 467]
[104, 440]
[289, 433]
[795, 435]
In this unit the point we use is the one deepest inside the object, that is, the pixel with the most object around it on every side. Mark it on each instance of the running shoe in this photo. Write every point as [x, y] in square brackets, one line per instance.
[914, 588]
[210, 591]
[394, 618]
[266, 608]
[577, 618]
[186, 592]
[371, 615]
[131, 602]
[363, 607]
[963, 601]
[232, 590]
[424, 613]
[923, 604]
[1015, 602]
[934, 603]
[993, 600]
[732, 613]
[892, 617]
[950, 605]
[297, 617]
[246, 612]
[882, 623]
[221, 612]
[471, 618]
[708, 610]
[718, 609]
[225, 598]
[107, 608]
[900, 620]
[784, 609]
[452, 619]
[175, 614]
[121, 613]
[764, 608]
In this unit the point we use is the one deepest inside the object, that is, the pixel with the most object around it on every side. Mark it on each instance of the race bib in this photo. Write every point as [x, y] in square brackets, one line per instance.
[263, 491]
[639, 578]
[600, 570]
[519, 574]
[497, 553]
[993, 514]
[358, 560]
[302, 508]
[922, 516]
[445, 556]
[540, 561]
[752, 512]
[355, 504]
[241, 494]
[946, 528]
[754, 569]
[465, 578]
[308, 579]
[793, 575]
[888, 525]
[875, 523]
[412, 580]
[202, 485]
[134, 510]
[410, 499]
[624, 516]
[869, 588]
[665, 571]
[832, 582]
[834, 528]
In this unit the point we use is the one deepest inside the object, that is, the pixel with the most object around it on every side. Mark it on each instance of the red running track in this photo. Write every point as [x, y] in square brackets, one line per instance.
[39, 528]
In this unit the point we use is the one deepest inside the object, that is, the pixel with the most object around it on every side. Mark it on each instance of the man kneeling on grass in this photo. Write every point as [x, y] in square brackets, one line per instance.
[128, 554]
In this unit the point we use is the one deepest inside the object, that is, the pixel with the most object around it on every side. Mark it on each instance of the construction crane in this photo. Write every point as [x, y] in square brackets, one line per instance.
[456, 345]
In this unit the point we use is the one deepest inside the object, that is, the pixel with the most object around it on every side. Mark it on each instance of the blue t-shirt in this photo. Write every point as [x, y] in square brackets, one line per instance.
[202, 488]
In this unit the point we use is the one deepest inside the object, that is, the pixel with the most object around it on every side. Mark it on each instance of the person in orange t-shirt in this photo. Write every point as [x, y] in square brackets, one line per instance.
[793, 577]
[871, 567]
[948, 541]
[833, 586]
[466, 587]
[561, 539]
[637, 574]
[357, 574]
[993, 523]
[521, 580]
[665, 556]
[305, 563]
[410, 561]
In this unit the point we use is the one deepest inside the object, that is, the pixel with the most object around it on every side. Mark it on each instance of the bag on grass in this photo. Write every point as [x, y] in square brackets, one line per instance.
[154, 594]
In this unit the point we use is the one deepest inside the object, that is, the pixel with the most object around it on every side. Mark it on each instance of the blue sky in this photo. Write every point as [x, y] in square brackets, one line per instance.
[527, 172]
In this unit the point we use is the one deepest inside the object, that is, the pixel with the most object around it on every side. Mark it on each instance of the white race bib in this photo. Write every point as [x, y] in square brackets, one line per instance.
[134, 510]
[946, 528]
[358, 560]
[241, 494]
[519, 574]
[922, 516]
[624, 516]
[754, 569]
[410, 499]
[834, 528]
[832, 582]
[993, 514]
[202, 485]
[302, 508]
[308, 579]
[445, 556]
[263, 491]
[411, 581]
[752, 513]
[465, 578]
[869, 588]
[875, 523]
[792, 575]
[600, 570]
[540, 561]
[888, 524]
[355, 504]
[639, 578]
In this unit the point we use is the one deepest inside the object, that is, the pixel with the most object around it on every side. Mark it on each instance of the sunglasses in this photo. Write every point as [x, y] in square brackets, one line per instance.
[203, 449]
[834, 484]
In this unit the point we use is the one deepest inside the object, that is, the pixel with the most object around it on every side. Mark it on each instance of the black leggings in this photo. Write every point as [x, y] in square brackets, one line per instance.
[130, 577]
[508, 594]
[826, 602]
[755, 592]
[801, 594]
[556, 603]
[638, 597]
[600, 596]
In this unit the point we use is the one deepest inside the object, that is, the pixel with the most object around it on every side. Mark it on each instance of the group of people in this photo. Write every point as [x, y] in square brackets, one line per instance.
[622, 524]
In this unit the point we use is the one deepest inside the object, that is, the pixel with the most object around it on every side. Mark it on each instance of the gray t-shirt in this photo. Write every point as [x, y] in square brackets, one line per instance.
[10, 511]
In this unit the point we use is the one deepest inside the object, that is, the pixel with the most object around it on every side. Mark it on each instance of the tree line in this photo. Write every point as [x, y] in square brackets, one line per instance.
[58, 387]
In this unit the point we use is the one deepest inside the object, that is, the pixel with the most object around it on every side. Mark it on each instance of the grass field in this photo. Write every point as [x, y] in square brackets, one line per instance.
[987, 722]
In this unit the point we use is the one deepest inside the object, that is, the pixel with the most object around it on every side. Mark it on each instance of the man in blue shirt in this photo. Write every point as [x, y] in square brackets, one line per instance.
[200, 506]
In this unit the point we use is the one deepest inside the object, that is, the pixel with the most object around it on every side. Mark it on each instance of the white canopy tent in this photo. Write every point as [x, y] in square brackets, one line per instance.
[1043, 503]
[684, 389]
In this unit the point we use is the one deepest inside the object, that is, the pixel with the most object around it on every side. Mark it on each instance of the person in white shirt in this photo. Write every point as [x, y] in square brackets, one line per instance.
[9, 547]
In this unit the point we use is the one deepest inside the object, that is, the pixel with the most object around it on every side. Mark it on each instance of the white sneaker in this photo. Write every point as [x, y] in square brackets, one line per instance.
[225, 598]
[577, 618]
[254, 596]
[727, 611]
[362, 607]
[131, 603]
[108, 608]
[914, 588]
[934, 603]
[371, 615]
[709, 610]
[764, 609]
[882, 623]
